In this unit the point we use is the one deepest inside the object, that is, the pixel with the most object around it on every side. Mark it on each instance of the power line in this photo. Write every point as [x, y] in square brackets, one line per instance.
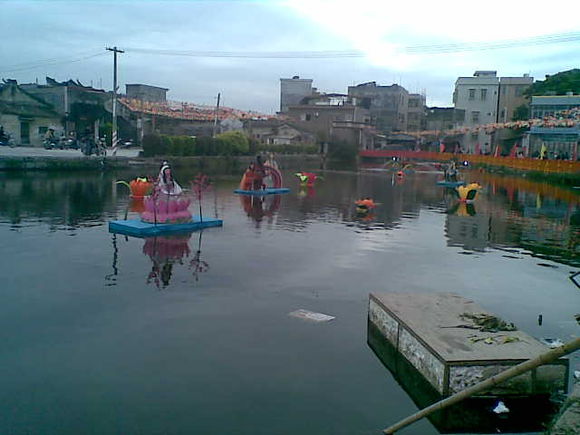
[334, 54]
[42, 64]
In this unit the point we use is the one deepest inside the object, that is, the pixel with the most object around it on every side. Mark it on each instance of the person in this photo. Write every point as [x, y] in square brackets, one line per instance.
[451, 172]
[259, 173]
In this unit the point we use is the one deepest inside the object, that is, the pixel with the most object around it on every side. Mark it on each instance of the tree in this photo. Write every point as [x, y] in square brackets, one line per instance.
[521, 113]
[557, 84]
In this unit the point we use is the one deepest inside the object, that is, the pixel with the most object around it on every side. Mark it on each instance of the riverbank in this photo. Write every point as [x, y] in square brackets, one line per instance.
[31, 159]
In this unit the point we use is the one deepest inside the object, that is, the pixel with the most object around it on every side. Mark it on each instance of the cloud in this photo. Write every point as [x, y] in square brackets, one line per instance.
[36, 30]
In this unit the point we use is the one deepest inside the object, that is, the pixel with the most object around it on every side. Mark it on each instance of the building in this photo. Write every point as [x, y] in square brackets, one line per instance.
[146, 93]
[511, 96]
[293, 91]
[277, 132]
[81, 107]
[416, 120]
[444, 118]
[543, 106]
[559, 142]
[478, 97]
[388, 105]
[25, 117]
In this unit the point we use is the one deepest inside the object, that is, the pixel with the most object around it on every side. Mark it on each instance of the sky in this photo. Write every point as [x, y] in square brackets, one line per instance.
[67, 39]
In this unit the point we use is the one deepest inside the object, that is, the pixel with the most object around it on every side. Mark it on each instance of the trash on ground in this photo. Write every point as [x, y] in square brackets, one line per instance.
[311, 315]
[552, 343]
[500, 408]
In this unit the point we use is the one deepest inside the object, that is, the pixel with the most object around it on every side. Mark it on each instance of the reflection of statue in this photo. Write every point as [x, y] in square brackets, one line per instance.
[259, 206]
[164, 252]
[166, 204]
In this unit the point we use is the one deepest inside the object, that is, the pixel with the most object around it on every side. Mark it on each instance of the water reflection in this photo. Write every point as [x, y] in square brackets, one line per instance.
[260, 207]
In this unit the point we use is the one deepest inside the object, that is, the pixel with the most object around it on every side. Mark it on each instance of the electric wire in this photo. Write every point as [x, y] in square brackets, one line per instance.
[51, 63]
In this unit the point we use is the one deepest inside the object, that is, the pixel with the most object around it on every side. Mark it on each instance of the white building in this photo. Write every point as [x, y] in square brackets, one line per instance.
[478, 96]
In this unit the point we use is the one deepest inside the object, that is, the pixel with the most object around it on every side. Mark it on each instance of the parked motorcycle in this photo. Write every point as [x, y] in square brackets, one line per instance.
[89, 147]
[6, 140]
[50, 144]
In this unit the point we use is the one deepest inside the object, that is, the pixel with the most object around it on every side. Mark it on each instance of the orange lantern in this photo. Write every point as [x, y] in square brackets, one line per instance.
[140, 187]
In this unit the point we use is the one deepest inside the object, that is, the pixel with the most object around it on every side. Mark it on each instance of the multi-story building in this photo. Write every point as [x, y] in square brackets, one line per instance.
[416, 113]
[293, 91]
[146, 92]
[388, 105]
[478, 96]
[511, 95]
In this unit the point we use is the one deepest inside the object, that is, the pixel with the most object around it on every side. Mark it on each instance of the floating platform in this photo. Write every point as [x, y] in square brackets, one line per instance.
[138, 228]
[451, 183]
[262, 192]
[432, 333]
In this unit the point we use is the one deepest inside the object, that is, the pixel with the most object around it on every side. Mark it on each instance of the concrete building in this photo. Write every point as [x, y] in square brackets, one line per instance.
[81, 107]
[560, 142]
[416, 120]
[293, 91]
[550, 105]
[388, 105]
[146, 93]
[511, 95]
[277, 132]
[24, 117]
[334, 123]
[444, 118]
[478, 96]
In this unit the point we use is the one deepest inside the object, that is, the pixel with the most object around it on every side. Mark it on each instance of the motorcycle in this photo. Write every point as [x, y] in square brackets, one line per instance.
[68, 143]
[89, 147]
[51, 143]
[6, 140]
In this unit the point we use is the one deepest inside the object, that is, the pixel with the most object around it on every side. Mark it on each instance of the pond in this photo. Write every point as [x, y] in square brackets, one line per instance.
[103, 333]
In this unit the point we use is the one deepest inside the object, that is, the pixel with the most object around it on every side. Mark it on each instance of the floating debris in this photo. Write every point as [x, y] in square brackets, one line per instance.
[500, 408]
[552, 343]
[486, 323]
[311, 315]
[553, 266]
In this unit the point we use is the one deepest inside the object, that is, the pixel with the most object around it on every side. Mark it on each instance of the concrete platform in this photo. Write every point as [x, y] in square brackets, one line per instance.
[263, 192]
[430, 332]
[138, 228]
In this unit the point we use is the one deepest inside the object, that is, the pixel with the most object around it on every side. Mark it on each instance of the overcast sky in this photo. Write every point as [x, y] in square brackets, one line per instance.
[41, 38]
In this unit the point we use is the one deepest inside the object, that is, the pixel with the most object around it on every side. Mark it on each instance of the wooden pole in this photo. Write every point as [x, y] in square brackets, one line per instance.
[544, 358]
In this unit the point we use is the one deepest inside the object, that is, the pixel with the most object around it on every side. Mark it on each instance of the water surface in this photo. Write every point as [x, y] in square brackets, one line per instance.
[104, 333]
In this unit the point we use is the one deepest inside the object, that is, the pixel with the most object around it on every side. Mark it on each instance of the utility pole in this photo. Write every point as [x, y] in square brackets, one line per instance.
[215, 119]
[114, 138]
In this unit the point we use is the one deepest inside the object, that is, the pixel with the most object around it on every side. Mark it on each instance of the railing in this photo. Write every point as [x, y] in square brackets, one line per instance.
[526, 164]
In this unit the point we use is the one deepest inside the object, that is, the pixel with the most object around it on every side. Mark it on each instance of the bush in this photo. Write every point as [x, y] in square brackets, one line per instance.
[152, 145]
[233, 142]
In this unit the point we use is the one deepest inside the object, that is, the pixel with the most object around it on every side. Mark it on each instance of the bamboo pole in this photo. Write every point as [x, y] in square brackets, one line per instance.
[544, 358]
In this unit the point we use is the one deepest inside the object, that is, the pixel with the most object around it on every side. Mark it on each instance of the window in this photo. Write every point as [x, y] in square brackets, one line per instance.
[42, 130]
[472, 94]
[475, 116]
[483, 94]
[308, 117]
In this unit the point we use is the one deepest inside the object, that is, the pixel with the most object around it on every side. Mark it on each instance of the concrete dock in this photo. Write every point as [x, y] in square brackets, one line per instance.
[439, 337]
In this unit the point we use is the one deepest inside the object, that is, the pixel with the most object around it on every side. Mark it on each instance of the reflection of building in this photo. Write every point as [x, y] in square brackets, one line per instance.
[469, 232]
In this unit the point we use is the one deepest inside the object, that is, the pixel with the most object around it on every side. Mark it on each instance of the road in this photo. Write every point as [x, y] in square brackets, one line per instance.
[41, 152]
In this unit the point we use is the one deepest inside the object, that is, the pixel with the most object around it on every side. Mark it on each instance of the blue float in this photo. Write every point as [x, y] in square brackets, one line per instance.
[450, 183]
[262, 192]
[138, 228]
